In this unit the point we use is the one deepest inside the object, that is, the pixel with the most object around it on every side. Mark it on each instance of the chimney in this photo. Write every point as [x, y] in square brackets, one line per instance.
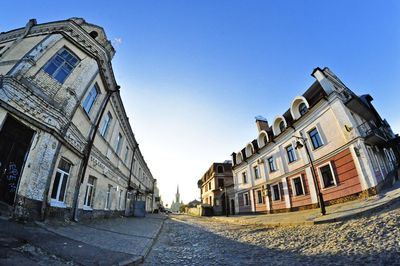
[262, 123]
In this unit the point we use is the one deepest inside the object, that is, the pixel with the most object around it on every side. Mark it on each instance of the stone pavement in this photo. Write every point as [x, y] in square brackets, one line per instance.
[334, 213]
[114, 241]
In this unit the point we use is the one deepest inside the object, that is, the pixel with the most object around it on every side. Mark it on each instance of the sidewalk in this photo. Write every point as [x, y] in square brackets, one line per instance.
[337, 212]
[120, 241]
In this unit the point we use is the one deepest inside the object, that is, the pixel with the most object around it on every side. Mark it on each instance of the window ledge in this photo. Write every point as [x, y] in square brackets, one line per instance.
[58, 204]
[87, 208]
[328, 188]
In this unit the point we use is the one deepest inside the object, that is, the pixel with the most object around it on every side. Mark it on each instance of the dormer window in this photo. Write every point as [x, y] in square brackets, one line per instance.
[303, 108]
[282, 126]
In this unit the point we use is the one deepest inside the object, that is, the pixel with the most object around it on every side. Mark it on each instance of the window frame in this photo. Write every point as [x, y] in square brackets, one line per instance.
[291, 160]
[246, 199]
[46, 67]
[86, 101]
[321, 180]
[89, 187]
[274, 196]
[282, 126]
[312, 137]
[106, 124]
[302, 111]
[256, 171]
[260, 198]
[244, 177]
[118, 143]
[294, 191]
[57, 202]
[271, 164]
[108, 198]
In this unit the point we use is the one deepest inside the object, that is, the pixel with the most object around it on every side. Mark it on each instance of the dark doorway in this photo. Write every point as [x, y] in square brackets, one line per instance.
[15, 139]
[232, 206]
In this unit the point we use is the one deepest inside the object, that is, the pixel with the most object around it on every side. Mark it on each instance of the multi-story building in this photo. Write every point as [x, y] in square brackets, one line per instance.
[66, 145]
[330, 135]
[216, 188]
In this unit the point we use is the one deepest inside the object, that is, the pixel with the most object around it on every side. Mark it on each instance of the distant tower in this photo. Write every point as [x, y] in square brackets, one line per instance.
[177, 196]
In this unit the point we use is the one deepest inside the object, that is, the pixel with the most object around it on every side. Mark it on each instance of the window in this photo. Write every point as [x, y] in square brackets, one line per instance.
[327, 176]
[271, 164]
[61, 65]
[89, 194]
[60, 181]
[90, 98]
[118, 143]
[209, 185]
[244, 177]
[126, 154]
[282, 126]
[276, 195]
[303, 108]
[120, 199]
[256, 172]
[246, 199]
[290, 154]
[259, 196]
[220, 183]
[315, 138]
[210, 199]
[220, 169]
[106, 124]
[108, 198]
[297, 186]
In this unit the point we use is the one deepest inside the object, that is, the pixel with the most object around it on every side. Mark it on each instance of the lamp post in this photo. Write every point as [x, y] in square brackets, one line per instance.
[319, 194]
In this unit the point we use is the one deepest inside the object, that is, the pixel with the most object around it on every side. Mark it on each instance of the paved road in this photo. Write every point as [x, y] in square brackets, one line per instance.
[370, 240]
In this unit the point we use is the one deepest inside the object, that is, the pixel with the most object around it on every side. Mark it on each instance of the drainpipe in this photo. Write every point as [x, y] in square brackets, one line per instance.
[129, 179]
[87, 155]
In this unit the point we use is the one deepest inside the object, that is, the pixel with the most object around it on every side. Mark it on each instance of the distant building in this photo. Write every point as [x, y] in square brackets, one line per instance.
[216, 188]
[353, 150]
[177, 203]
[67, 148]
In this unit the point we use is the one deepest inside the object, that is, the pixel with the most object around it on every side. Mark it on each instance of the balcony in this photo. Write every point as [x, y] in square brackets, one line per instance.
[372, 134]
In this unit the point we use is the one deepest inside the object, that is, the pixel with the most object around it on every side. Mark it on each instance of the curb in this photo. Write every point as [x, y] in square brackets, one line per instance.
[140, 259]
[359, 214]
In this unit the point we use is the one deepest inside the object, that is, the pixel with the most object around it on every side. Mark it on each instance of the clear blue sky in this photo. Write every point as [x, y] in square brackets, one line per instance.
[195, 73]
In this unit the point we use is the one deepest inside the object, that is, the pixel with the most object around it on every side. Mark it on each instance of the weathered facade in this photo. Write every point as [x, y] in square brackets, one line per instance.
[66, 145]
[329, 135]
[216, 188]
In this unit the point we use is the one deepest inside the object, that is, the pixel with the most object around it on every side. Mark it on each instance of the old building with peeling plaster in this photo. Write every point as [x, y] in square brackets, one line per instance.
[66, 145]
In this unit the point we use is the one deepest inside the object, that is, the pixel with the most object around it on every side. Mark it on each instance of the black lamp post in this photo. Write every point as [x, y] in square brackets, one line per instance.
[319, 194]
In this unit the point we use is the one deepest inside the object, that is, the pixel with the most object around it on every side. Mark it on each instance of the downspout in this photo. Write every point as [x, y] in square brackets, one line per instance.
[129, 179]
[87, 155]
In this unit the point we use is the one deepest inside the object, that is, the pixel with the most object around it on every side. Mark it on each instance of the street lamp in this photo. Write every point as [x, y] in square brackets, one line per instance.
[299, 145]
[226, 202]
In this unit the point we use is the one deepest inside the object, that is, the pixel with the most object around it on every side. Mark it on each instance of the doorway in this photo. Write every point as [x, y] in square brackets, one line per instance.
[232, 206]
[15, 139]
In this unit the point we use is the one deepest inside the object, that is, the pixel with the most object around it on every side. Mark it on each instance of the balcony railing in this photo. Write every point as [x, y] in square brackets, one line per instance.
[372, 134]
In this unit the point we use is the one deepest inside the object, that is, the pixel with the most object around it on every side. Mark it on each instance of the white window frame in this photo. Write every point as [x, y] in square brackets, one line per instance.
[120, 199]
[118, 143]
[126, 154]
[57, 202]
[258, 196]
[108, 198]
[106, 124]
[273, 192]
[244, 199]
[294, 188]
[321, 180]
[273, 164]
[257, 174]
[89, 187]
[88, 97]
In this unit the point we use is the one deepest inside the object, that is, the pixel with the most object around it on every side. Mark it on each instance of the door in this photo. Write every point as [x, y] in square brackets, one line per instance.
[15, 139]
[232, 206]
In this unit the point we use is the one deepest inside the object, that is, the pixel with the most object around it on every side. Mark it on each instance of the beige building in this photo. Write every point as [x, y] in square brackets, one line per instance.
[216, 188]
[66, 145]
[331, 145]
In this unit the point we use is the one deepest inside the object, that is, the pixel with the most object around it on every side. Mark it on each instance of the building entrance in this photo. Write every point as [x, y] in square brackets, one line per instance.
[15, 139]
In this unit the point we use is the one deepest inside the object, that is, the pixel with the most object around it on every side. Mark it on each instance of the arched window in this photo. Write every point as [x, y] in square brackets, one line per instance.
[265, 139]
[282, 126]
[303, 108]
[220, 169]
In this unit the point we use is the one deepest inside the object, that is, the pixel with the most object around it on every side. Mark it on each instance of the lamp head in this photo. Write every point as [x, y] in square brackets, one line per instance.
[298, 145]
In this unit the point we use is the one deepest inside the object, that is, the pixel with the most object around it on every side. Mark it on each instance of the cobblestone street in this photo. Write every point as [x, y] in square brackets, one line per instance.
[372, 240]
